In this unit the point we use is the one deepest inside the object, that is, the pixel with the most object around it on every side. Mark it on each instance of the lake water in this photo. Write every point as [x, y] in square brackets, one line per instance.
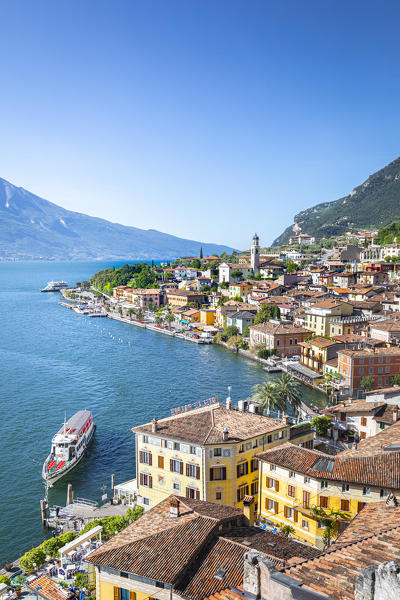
[55, 361]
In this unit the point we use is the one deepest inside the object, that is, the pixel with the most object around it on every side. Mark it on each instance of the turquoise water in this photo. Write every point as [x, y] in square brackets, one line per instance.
[53, 360]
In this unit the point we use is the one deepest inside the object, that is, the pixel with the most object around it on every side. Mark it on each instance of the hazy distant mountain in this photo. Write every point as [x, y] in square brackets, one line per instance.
[33, 228]
[374, 204]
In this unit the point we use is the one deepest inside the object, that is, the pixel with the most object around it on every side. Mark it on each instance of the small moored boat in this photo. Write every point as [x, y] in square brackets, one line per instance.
[69, 445]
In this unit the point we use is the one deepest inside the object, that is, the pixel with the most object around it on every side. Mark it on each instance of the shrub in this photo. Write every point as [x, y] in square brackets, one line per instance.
[5, 579]
[264, 353]
[321, 424]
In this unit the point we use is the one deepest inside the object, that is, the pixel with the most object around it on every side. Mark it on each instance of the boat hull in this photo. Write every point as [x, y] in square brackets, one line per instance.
[52, 478]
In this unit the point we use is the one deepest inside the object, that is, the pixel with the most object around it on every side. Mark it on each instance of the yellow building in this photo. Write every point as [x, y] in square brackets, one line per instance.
[301, 487]
[318, 316]
[207, 316]
[207, 453]
[240, 289]
[315, 352]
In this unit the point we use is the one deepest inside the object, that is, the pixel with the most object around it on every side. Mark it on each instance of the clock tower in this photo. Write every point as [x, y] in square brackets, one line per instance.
[255, 255]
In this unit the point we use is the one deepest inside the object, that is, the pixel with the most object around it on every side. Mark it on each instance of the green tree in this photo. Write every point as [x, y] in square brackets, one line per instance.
[329, 519]
[267, 312]
[169, 317]
[267, 394]
[5, 579]
[236, 274]
[230, 331]
[367, 383]
[195, 264]
[246, 331]
[85, 285]
[287, 529]
[395, 380]
[201, 252]
[36, 556]
[289, 390]
[130, 312]
[78, 284]
[237, 299]
[321, 424]
[235, 342]
[292, 267]
[264, 353]
[51, 546]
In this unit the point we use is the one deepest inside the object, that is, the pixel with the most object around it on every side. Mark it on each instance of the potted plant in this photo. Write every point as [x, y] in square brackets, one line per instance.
[18, 591]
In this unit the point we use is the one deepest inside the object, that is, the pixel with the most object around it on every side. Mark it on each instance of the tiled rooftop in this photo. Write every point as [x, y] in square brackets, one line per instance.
[378, 469]
[205, 425]
[47, 588]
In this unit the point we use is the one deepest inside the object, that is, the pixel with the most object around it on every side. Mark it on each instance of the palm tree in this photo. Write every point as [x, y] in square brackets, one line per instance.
[289, 390]
[169, 318]
[130, 312]
[267, 394]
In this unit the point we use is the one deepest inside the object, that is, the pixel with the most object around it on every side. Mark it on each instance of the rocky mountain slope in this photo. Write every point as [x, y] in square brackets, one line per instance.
[374, 204]
[34, 228]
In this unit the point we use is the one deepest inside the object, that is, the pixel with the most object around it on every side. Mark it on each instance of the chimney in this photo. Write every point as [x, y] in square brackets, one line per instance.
[174, 507]
[285, 419]
[225, 434]
[249, 510]
[154, 424]
[395, 415]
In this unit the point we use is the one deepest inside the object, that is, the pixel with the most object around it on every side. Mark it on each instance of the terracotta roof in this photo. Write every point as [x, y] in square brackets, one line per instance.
[377, 469]
[389, 437]
[386, 325]
[356, 406]
[328, 303]
[200, 426]
[334, 573]
[370, 352]
[278, 328]
[370, 521]
[48, 588]
[320, 342]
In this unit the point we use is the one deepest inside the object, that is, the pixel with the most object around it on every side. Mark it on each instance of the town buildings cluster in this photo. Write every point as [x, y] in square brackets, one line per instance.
[239, 504]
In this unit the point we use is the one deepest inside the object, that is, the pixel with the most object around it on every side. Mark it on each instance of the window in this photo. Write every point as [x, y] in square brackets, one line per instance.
[380, 370]
[254, 488]
[306, 499]
[306, 479]
[380, 381]
[254, 465]
[145, 439]
[176, 466]
[292, 474]
[218, 495]
[177, 446]
[271, 506]
[242, 469]
[241, 448]
[146, 480]
[272, 467]
[217, 473]
[345, 505]
[192, 470]
[276, 436]
[217, 451]
[361, 371]
[242, 492]
[146, 501]
[176, 486]
[387, 369]
[345, 487]
[361, 361]
[290, 341]
[269, 440]
[304, 524]
[364, 421]
[278, 342]
[272, 484]
[295, 341]
[366, 491]
[145, 458]
[192, 493]
[371, 370]
[289, 513]
[324, 485]
[192, 449]
[160, 462]
[121, 593]
[383, 493]
[323, 501]
[380, 359]
[291, 491]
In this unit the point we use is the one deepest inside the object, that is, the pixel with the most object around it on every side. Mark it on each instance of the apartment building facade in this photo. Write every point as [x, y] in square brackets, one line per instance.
[379, 363]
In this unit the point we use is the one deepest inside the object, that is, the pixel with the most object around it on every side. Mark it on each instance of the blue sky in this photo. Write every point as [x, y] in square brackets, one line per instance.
[204, 119]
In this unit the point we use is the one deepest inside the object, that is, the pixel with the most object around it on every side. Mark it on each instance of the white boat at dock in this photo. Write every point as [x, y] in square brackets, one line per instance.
[69, 445]
[55, 286]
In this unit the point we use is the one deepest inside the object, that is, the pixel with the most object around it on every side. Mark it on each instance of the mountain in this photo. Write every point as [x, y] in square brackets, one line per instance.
[34, 228]
[373, 204]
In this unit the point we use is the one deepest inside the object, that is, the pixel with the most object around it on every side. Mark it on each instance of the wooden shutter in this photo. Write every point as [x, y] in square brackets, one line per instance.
[197, 494]
[276, 485]
[267, 482]
[224, 473]
[132, 595]
[246, 468]
[285, 511]
[171, 464]
[198, 472]
[295, 516]
[160, 462]
[181, 467]
[306, 499]
[276, 507]
[345, 505]
[150, 459]
[187, 493]
[323, 501]
[116, 593]
[266, 503]
[238, 495]
[211, 474]
[187, 470]
[141, 457]
[141, 478]
[238, 471]
[150, 481]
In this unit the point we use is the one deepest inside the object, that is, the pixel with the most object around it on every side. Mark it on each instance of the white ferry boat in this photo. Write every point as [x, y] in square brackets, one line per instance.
[55, 286]
[69, 445]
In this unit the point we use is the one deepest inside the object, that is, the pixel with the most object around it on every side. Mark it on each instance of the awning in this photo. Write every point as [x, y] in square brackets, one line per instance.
[80, 540]
[304, 371]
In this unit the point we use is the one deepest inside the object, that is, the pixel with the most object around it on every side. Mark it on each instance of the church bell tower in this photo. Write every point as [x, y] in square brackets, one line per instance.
[255, 255]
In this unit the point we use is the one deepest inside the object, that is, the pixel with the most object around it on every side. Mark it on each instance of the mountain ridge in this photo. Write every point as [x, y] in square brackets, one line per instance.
[32, 227]
[373, 204]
